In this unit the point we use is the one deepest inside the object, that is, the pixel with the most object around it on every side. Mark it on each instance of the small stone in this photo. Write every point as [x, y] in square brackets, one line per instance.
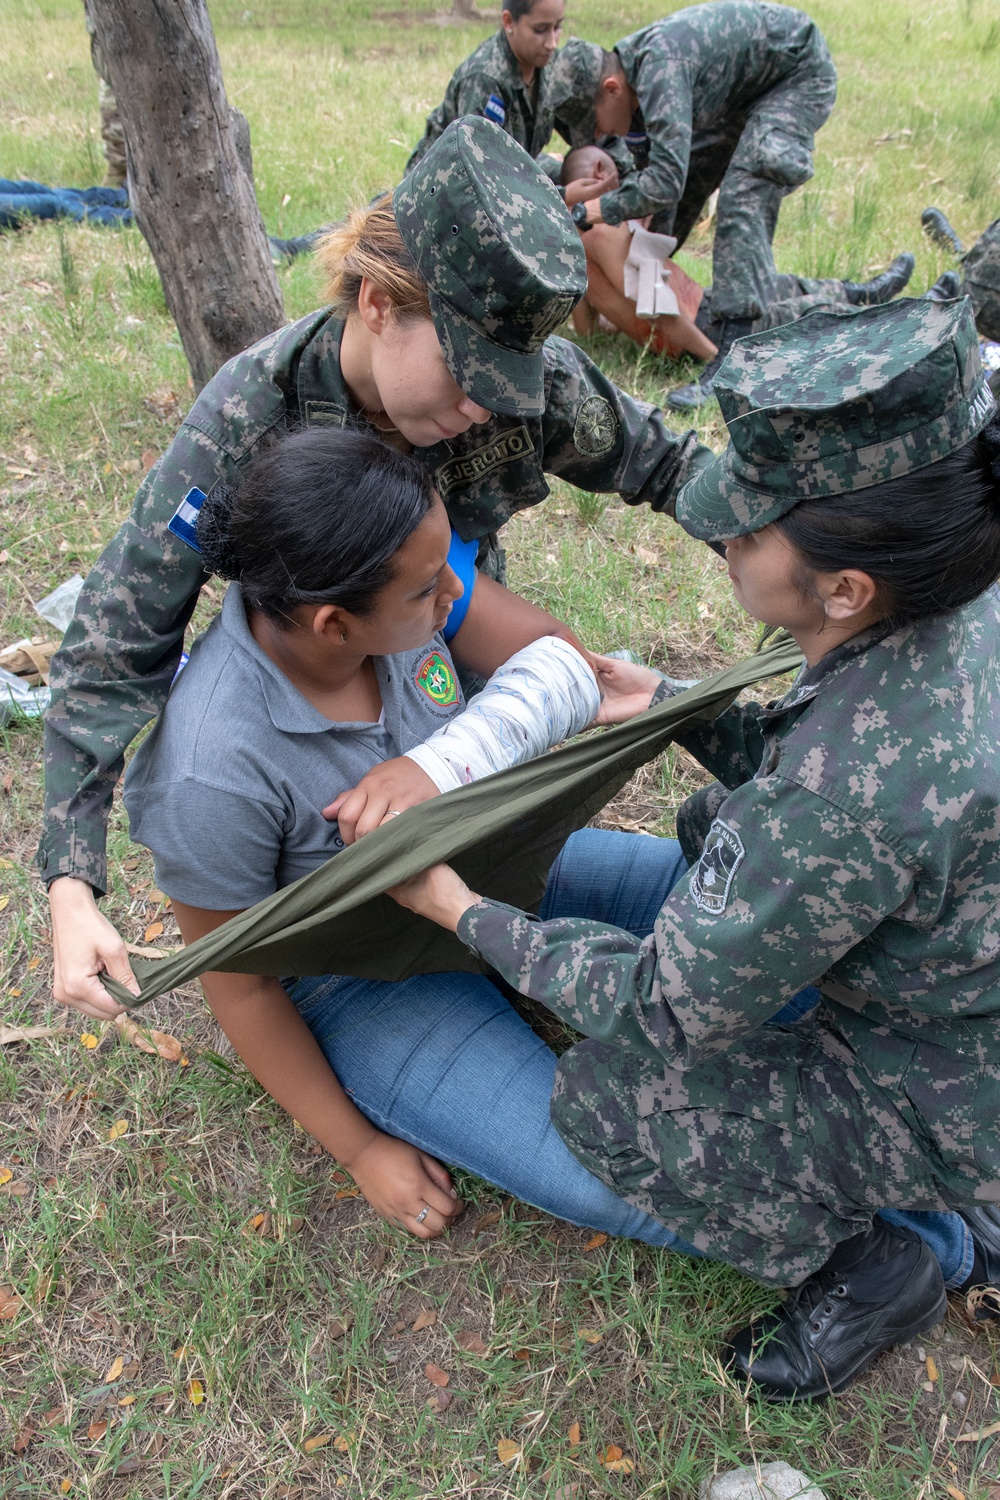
[921, 1354]
[777, 1482]
[960, 1398]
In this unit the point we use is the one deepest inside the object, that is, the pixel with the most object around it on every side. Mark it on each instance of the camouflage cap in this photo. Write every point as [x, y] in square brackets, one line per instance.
[834, 403]
[502, 259]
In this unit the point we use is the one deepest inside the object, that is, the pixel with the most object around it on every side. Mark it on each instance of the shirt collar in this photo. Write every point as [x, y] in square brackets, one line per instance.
[287, 709]
[811, 679]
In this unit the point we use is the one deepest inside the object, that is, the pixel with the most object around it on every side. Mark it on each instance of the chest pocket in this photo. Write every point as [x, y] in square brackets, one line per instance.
[485, 485]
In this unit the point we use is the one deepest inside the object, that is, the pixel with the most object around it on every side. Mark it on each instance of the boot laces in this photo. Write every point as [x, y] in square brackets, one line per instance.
[815, 1301]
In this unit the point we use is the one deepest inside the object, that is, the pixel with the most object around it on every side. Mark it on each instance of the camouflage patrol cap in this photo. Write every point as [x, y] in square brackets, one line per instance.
[835, 403]
[502, 259]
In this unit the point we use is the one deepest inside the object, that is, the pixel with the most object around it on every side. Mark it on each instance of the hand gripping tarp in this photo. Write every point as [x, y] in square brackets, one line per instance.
[501, 834]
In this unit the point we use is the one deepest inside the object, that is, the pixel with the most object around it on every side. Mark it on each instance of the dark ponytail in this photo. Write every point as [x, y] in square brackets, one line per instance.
[315, 519]
[930, 539]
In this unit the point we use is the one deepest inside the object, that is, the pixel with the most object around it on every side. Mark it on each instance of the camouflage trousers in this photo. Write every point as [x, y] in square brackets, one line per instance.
[113, 136]
[981, 273]
[755, 160]
[764, 1156]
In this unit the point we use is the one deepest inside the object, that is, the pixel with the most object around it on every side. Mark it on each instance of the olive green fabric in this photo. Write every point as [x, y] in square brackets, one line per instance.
[501, 834]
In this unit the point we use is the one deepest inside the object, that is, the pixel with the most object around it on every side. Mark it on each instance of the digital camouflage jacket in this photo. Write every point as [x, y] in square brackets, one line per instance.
[113, 671]
[859, 849]
[489, 83]
[701, 68]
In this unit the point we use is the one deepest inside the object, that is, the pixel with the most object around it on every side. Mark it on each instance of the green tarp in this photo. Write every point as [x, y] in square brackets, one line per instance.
[501, 834]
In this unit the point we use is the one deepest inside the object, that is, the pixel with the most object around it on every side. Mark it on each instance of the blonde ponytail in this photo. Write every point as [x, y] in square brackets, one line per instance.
[368, 243]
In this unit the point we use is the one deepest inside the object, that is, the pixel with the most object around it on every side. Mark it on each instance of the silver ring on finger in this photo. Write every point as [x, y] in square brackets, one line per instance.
[421, 1216]
[393, 812]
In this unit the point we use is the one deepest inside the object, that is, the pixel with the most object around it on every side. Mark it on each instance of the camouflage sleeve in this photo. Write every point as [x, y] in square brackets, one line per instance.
[732, 746]
[598, 438]
[113, 670]
[665, 94]
[786, 885]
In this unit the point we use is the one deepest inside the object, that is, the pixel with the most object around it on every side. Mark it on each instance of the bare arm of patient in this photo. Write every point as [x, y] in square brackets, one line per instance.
[282, 1054]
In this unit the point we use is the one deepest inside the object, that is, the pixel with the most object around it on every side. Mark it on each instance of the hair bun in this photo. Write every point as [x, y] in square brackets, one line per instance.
[212, 531]
[990, 438]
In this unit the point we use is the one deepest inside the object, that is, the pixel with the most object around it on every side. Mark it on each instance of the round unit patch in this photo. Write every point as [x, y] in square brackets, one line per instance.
[595, 431]
[436, 679]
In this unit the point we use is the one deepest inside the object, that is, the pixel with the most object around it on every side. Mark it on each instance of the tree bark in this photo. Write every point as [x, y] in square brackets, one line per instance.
[192, 196]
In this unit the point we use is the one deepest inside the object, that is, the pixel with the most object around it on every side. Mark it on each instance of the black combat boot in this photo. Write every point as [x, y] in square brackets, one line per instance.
[936, 225]
[984, 1225]
[880, 1288]
[881, 288]
[946, 288]
[724, 335]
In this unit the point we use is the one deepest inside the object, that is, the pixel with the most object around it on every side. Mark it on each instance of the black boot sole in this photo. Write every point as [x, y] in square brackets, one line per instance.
[864, 1363]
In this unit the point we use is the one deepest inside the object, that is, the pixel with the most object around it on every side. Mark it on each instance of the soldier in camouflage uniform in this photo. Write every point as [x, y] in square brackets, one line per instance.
[112, 133]
[489, 265]
[853, 845]
[979, 278]
[530, 91]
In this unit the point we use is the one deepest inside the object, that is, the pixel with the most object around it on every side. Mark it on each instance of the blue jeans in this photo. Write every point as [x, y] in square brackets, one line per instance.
[21, 200]
[445, 1062]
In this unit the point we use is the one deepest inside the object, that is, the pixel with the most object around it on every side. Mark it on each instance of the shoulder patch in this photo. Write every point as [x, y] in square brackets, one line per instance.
[185, 518]
[595, 431]
[436, 680]
[494, 110]
[713, 875]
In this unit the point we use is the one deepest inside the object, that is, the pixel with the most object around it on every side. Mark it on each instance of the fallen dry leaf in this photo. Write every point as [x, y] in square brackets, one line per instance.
[10, 1304]
[932, 1369]
[589, 1335]
[6, 1175]
[348, 1192]
[11, 1034]
[439, 1402]
[319, 1441]
[508, 1452]
[426, 1318]
[567, 1491]
[596, 1241]
[195, 1392]
[65, 1486]
[343, 1441]
[89, 1040]
[126, 1401]
[614, 1460]
[118, 1129]
[96, 1431]
[977, 1437]
[471, 1342]
[487, 1220]
[154, 930]
[23, 1439]
[955, 1492]
[574, 1434]
[435, 1375]
[156, 1043]
[521, 1354]
[114, 1373]
[52, 1416]
[338, 1328]
[131, 1370]
[149, 457]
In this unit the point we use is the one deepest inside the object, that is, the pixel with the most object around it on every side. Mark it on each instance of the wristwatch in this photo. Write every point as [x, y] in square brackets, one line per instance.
[578, 213]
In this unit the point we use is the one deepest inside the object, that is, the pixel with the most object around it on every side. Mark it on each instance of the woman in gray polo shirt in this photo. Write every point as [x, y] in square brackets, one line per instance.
[326, 661]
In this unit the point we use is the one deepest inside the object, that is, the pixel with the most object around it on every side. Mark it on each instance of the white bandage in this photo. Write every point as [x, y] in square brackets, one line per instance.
[543, 695]
[646, 276]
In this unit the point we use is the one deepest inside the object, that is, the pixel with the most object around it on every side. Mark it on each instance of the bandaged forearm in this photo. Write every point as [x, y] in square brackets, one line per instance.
[543, 695]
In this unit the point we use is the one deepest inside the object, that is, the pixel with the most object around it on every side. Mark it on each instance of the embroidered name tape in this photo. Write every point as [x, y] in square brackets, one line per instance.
[185, 518]
[508, 448]
[494, 110]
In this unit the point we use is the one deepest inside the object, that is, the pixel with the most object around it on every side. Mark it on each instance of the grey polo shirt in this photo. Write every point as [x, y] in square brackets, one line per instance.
[227, 789]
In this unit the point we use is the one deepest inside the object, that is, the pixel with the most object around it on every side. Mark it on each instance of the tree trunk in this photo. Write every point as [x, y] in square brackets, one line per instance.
[192, 196]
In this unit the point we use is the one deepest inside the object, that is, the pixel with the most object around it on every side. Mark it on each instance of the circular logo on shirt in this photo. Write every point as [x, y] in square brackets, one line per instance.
[596, 429]
[436, 679]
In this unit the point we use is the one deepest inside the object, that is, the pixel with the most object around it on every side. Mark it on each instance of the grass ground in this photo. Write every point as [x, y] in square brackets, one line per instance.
[197, 1297]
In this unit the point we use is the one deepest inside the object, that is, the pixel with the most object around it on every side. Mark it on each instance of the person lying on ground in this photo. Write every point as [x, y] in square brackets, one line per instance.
[725, 96]
[447, 353]
[326, 666]
[609, 248]
[850, 843]
[524, 82]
